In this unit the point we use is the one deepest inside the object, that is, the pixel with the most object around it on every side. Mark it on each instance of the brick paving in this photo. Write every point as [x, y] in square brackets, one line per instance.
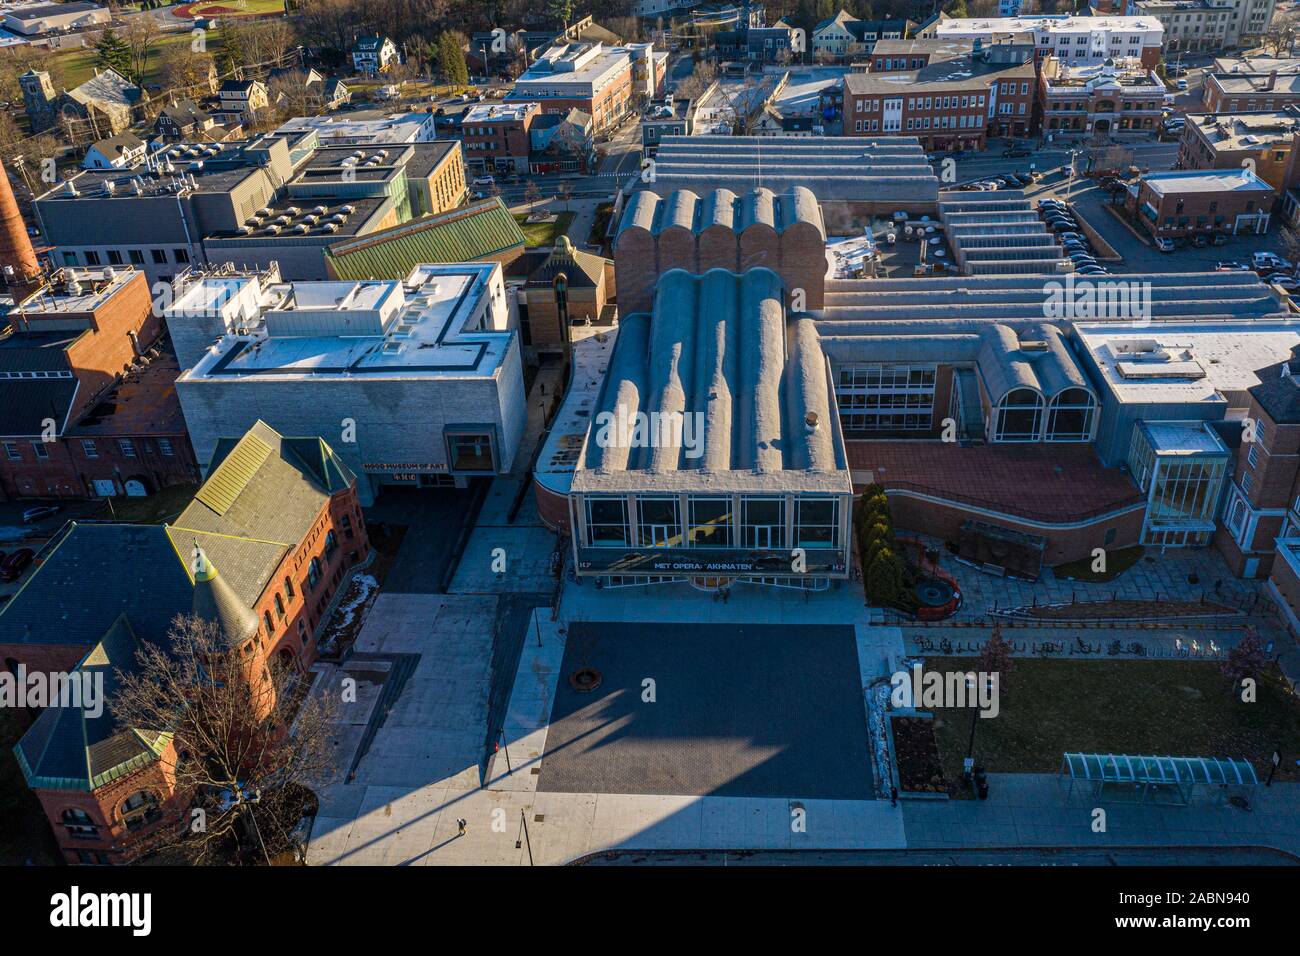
[1055, 483]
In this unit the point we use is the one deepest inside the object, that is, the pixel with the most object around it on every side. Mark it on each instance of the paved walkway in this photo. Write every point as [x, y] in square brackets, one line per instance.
[1034, 810]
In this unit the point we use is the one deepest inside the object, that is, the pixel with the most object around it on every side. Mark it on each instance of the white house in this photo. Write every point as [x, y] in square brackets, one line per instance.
[373, 54]
[116, 152]
[832, 38]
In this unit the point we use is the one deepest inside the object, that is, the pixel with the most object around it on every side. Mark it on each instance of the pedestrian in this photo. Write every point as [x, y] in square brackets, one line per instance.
[461, 824]
[542, 386]
[893, 796]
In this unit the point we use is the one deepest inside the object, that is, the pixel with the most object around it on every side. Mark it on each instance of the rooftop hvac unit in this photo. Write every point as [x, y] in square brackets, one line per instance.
[271, 230]
[293, 210]
[320, 210]
[302, 228]
[245, 230]
[348, 210]
[331, 227]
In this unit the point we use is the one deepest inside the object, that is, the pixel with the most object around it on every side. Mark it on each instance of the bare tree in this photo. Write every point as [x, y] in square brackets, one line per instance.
[141, 35]
[1281, 34]
[248, 748]
[185, 72]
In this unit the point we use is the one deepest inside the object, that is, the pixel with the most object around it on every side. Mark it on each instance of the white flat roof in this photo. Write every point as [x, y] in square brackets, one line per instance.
[1205, 180]
[1203, 361]
[1036, 24]
[426, 339]
[1183, 438]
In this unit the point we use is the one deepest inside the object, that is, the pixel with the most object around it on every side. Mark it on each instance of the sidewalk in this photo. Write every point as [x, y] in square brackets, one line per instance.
[1033, 810]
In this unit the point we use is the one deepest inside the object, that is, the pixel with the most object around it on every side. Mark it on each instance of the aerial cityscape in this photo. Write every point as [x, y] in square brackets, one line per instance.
[652, 433]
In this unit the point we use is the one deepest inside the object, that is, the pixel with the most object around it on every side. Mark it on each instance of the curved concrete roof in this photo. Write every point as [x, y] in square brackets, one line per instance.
[685, 209]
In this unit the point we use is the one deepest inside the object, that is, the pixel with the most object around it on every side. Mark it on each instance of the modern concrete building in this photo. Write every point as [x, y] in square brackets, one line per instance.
[365, 128]
[39, 19]
[280, 199]
[853, 178]
[414, 382]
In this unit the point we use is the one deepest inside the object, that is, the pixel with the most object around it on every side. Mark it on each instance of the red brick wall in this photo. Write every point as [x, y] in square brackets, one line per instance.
[553, 509]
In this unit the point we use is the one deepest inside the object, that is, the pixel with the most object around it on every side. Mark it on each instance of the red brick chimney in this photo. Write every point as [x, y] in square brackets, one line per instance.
[1272, 79]
[21, 271]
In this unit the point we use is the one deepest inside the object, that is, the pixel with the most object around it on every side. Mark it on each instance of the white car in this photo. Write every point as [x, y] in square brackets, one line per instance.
[484, 181]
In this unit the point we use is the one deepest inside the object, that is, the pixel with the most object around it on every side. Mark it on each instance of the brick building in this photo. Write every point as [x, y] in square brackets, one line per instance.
[261, 551]
[947, 104]
[1182, 204]
[495, 136]
[87, 404]
[569, 287]
[1077, 40]
[1248, 92]
[1265, 141]
[604, 82]
[1118, 100]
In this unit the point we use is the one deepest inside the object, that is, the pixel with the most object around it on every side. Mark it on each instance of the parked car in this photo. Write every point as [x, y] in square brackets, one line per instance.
[40, 512]
[1181, 84]
[14, 565]
[1023, 178]
[1220, 239]
[1091, 271]
[1285, 282]
[1270, 261]
[1164, 244]
[1015, 152]
[1076, 236]
[484, 180]
[1049, 203]
[1228, 266]
[1200, 240]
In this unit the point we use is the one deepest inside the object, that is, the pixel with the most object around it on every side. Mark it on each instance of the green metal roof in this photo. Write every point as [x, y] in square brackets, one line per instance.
[233, 475]
[468, 234]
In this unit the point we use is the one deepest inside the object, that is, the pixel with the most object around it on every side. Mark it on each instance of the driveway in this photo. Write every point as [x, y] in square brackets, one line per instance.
[738, 711]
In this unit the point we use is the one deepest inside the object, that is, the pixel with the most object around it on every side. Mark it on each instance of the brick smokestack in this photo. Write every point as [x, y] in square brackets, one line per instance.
[16, 251]
[1272, 79]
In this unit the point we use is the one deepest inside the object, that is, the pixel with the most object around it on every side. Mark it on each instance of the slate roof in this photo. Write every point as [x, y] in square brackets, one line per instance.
[68, 749]
[582, 269]
[26, 402]
[468, 234]
[185, 112]
[108, 87]
[114, 147]
[1278, 391]
[109, 587]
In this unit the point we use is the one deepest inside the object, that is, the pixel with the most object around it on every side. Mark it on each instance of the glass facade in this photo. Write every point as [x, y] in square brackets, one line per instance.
[1183, 489]
[885, 398]
[1019, 416]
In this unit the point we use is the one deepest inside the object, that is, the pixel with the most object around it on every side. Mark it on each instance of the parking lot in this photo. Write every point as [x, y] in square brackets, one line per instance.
[741, 711]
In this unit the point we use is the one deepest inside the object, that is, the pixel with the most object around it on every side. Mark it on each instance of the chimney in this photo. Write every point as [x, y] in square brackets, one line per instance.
[18, 259]
[1272, 79]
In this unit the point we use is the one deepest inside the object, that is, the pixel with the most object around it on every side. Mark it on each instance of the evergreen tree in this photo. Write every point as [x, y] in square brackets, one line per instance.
[112, 53]
[451, 59]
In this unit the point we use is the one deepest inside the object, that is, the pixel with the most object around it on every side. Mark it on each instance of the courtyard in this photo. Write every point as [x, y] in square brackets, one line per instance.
[737, 711]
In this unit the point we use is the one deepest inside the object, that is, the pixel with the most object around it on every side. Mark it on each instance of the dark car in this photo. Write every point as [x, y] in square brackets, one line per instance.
[1219, 239]
[1015, 152]
[1023, 178]
[1200, 241]
[39, 512]
[14, 565]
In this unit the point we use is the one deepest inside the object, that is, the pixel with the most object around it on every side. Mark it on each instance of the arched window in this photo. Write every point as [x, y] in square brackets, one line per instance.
[1019, 416]
[331, 543]
[302, 630]
[313, 572]
[288, 587]
[79, 823]
[140, 809]
[1070, 415]
[270, 626]
[279, 606]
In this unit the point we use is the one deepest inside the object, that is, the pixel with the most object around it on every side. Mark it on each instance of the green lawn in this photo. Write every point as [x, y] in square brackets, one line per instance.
[79, 65]
[236, 8]
[1168, 708]
[543, 233]
[24, 833]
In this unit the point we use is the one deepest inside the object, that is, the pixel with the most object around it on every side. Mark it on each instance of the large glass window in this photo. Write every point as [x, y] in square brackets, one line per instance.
[710, 523]
[763, 523]
[1185, 489]
[140, 809]
[1020, 416]
[818, 525]
[660, 525]
[1070, 416]
[885, 398]
[607, 523]
[470, 452]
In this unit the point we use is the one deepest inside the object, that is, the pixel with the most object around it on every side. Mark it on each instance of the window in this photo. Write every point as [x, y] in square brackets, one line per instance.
[181, 255]
[818, 525]
[302, 631]
[313, 573]
[331, 543]
[88, 448]
[69, 258]
[140, 809]
[270, 625]
[92, 258]
[114, 257]
[1019, 416]
[659, 525]
[165, 446]
[279, 607]
[39, 449]
[763, 523]
[1252, 456]
[136, 256]
[159, 256]
[607, 525]
[12, 451]
[1070, 416]
[79, 823]
[470, 453]
[288, 587]
[127, 447]
[710, 523]
[886, 398]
